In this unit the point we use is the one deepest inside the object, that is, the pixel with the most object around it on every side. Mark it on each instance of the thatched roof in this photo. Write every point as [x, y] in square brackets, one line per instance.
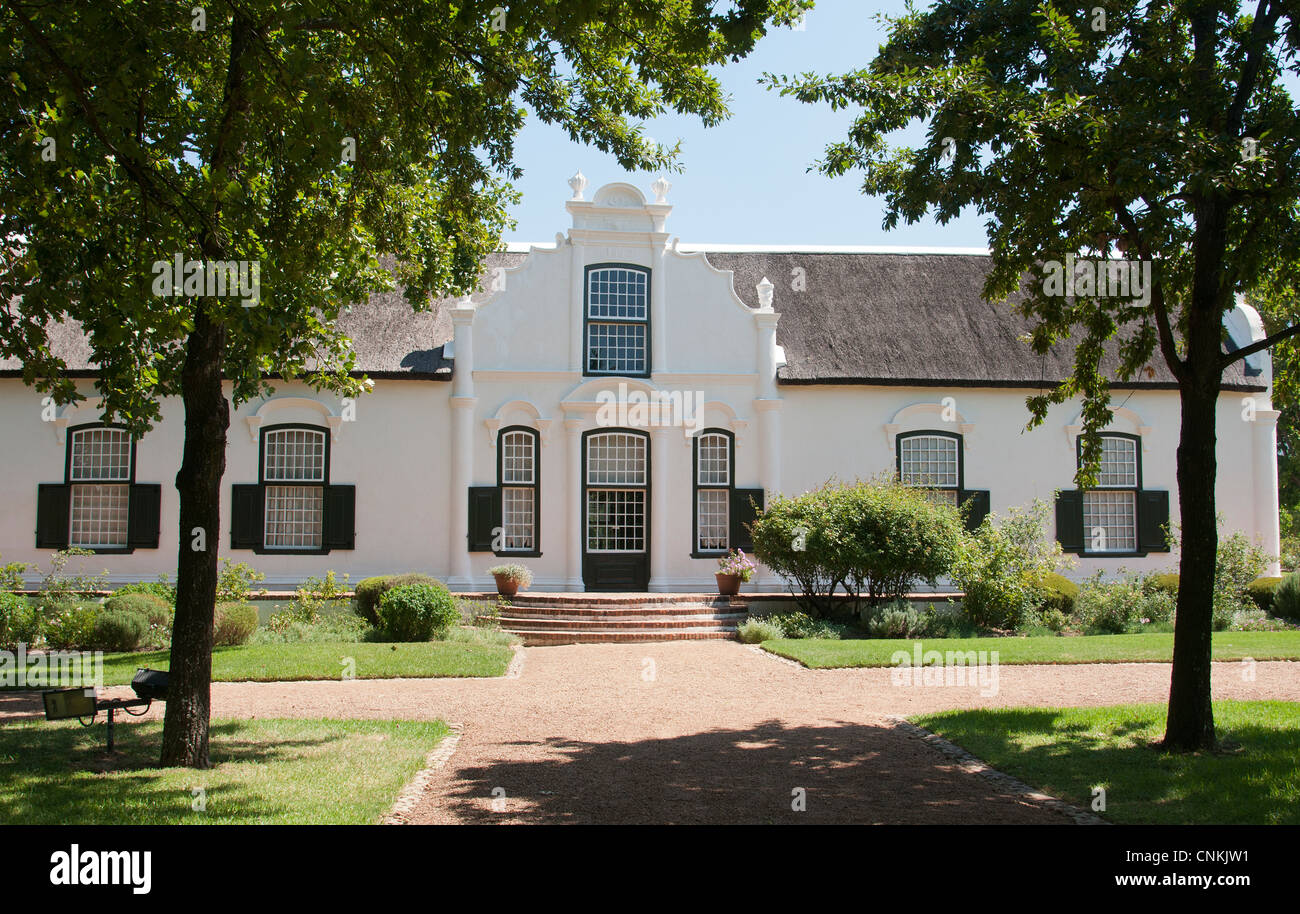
[904, 319]
[914, 319]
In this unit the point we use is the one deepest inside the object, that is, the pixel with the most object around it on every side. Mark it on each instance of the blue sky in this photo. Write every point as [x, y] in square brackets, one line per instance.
[746, 181]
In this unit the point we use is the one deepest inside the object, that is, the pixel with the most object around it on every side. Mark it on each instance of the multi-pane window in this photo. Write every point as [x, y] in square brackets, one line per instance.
[1110, 509]
[517, 477]
[933, 462]
[294, 473]
[99, 470]
[713, 484]
[618, 314]
[616, 492]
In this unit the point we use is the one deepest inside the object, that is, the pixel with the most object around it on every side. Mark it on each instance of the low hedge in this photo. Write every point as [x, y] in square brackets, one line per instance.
[154, 608]
[16, 618]
[119, 630]
[1286, 598]
[369, 591]
[234, 624]
[1060, 593]
[1261, 591]
[70, 625]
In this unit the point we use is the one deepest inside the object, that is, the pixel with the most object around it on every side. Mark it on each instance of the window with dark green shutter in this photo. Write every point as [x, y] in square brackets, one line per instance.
[484, 517]
[714, 470]
[1116, 516]
[935, 461]
[975, 505]
[745, 505]
[99, 506]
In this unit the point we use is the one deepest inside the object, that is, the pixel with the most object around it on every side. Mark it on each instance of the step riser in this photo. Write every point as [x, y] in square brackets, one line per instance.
[542, 639]
[672, 609]
[579, 627]
[702, 618]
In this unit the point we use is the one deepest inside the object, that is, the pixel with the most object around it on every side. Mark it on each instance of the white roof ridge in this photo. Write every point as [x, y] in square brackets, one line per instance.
[522, 247]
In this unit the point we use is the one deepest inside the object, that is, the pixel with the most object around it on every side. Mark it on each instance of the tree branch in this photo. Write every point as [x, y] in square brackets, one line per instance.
[1258, 346]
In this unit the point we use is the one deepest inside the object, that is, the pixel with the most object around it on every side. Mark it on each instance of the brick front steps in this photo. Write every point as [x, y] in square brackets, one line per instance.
[549, 618]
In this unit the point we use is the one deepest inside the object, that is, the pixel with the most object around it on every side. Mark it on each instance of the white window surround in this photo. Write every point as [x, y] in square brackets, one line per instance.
[1136, 426]
[518, 412]
[333, 420]
[923, 416]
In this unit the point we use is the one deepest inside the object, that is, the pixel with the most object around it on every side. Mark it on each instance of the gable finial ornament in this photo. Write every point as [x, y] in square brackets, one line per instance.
[765, 289]
[660, 189]
[579, 183]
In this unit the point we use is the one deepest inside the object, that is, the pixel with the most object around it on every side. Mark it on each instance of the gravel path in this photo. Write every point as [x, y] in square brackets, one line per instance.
[709, 731]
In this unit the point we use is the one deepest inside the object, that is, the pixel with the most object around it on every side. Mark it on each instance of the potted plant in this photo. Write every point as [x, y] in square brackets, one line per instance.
[511, 578]
[734, 569]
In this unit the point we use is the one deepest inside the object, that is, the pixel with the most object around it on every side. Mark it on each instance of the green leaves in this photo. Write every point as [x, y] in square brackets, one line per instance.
[227, 144]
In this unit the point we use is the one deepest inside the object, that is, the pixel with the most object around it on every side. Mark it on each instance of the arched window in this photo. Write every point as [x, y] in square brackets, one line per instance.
[932, 460]
[518, 477]
[616, 317]
[99, 505]
[1110, 509]
[714, 482]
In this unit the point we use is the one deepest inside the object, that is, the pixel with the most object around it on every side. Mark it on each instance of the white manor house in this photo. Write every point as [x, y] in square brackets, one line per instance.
[610, 408]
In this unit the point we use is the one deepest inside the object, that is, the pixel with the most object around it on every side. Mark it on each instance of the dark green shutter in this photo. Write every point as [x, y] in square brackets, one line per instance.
[1069, 519]
[1153, 515]
[340, 517]
[976, 505]
[743, 514]
[246, 517]
[484, 517]
[144, 511]
[53, 505]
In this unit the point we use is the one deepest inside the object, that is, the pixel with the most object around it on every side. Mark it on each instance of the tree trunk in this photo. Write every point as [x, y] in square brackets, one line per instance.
[207, 416]
[1190, 725]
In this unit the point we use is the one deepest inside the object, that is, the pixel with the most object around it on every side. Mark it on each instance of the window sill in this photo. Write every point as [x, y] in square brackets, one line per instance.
[721, 553]
[106, 550]
[1083, 554]
[517, 555]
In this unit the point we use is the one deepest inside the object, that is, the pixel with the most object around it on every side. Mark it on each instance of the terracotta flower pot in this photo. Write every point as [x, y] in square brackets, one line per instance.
[507, 587]
[728, 584]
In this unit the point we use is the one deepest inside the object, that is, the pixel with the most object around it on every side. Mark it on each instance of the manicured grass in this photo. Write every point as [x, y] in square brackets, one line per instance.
[325, 660]
[264, 771]
[826, 654]
[1066, 752]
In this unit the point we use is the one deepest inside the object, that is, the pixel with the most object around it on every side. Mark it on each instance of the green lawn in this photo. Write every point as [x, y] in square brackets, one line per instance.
[827, 654]
[325, 660]
[264, 771]
[1066, 752]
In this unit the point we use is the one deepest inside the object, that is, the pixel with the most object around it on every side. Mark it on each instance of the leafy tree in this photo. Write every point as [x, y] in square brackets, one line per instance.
[1159, 131]
[311, 139]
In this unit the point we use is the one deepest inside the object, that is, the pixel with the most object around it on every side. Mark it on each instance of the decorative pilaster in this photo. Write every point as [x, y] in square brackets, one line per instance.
[1266, 506]
[662, 543]
[573, 498]
[463, 402]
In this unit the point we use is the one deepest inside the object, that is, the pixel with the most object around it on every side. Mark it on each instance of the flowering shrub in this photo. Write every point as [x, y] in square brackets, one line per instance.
[737, 563]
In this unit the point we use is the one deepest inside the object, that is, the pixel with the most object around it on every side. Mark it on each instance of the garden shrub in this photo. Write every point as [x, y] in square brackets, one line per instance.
[1059, 594]
[874, 539]
[1256, 620]
[11, 576]
[1004, 567]
[69, 624]
[155, 609]
[1286, 598]
[896, 620]
[160, 588]
[328, 627]
[16, 616]
[1261, 590]
[417, 612]
[235, 581]
[801, 625]
[369, 591]
[233, 624]
[1114, 607]
[757, 629]
[119, 630]
[1166, 581]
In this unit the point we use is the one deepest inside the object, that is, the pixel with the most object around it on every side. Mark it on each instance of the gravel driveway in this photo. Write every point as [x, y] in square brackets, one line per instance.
[710, 731]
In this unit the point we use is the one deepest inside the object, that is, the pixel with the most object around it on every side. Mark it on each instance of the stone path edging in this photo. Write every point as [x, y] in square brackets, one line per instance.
[411, 794]
[757, 649]
[516, 668]
[977, 766]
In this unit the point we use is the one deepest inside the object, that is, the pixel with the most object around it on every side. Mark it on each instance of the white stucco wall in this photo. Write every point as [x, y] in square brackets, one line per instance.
[415, 446]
